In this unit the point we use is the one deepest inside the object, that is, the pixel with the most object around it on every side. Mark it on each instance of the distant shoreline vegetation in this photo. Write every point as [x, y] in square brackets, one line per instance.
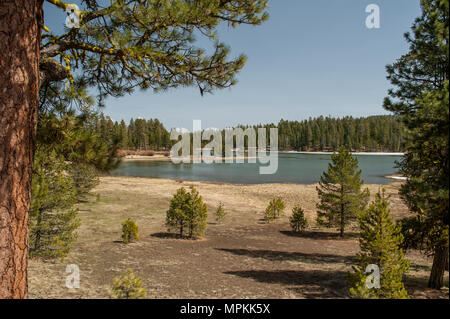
[165, 155]
[373, 134]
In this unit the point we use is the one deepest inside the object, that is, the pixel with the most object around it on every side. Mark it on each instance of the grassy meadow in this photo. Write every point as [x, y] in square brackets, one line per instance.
[241, 258]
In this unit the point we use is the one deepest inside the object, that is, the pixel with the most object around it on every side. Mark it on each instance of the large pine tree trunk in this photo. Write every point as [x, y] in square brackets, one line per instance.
[342, 223]
[440, 260]
[19, 89]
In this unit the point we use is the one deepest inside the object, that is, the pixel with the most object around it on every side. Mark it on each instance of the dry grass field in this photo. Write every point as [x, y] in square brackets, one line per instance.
[240, 258]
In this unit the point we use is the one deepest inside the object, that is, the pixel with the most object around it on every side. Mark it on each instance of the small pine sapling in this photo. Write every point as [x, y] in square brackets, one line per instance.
[187, 213]
[128, 286]
[130, 231]
[380, 245]
[220, 213]
[274, 210]
[298, 220]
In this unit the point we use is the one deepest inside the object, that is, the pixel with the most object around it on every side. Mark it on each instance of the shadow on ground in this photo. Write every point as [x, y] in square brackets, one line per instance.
[174, 236]
[166, 235]
[417, 287]
[319, 235]
[417, 267]
[292, 256]
[310, 284]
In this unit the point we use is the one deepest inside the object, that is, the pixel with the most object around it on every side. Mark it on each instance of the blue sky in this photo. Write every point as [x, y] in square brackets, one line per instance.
[311, 58]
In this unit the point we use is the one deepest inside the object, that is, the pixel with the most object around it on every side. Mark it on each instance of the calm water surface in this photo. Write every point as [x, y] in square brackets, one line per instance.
[292, 168]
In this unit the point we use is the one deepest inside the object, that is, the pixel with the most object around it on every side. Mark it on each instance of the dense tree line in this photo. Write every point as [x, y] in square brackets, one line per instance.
[139, 134]
[373, 133]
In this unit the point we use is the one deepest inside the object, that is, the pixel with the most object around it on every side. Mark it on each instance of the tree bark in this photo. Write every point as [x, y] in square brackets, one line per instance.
[440, 260]
[342, 226]
[19, 89]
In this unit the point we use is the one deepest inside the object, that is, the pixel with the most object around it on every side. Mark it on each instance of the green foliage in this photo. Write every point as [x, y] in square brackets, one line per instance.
[371, 134]
[298, 220]
[274, 210]
[53, 220]
[424, 68]
[74, 137]
[140, 134]
[380, 245]
[187, 212]
[121, 46]
[414, 236]
[220, 213]
[128, 286]
[339, 190]
[68, 149]
[130, 231]
[67, 156]
[421, 97]
[85, 178]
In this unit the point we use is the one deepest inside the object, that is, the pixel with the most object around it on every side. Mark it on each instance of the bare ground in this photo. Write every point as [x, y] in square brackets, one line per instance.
[241, 258]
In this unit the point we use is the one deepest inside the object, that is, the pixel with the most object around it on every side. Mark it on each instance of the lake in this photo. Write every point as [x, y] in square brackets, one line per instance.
[293, 168]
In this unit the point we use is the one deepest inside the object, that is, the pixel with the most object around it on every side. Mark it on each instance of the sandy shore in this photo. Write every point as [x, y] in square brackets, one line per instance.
[354, 153]
[397, 177]
[242, 197]
[154, 158]
[162, 158]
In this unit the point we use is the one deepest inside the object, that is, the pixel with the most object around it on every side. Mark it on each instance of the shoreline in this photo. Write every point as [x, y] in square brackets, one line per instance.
[154, 158]
[397, 177]
[163, 158]
[137, 181]
[353, 153]
[394, 180]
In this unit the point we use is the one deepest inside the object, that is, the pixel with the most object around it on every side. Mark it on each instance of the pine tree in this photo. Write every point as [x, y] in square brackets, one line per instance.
[298, 220]
[75, 137]
[118, 46]
[421, 97]
[339, 190]
[177, 214]
[220, 213]
[380, 245]
[124, 144]
[130, 231]
[84, 177]
[68, 153]
[274, 210]
[198, 213]
[187, 212]
[53, 220]
[128, 286]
